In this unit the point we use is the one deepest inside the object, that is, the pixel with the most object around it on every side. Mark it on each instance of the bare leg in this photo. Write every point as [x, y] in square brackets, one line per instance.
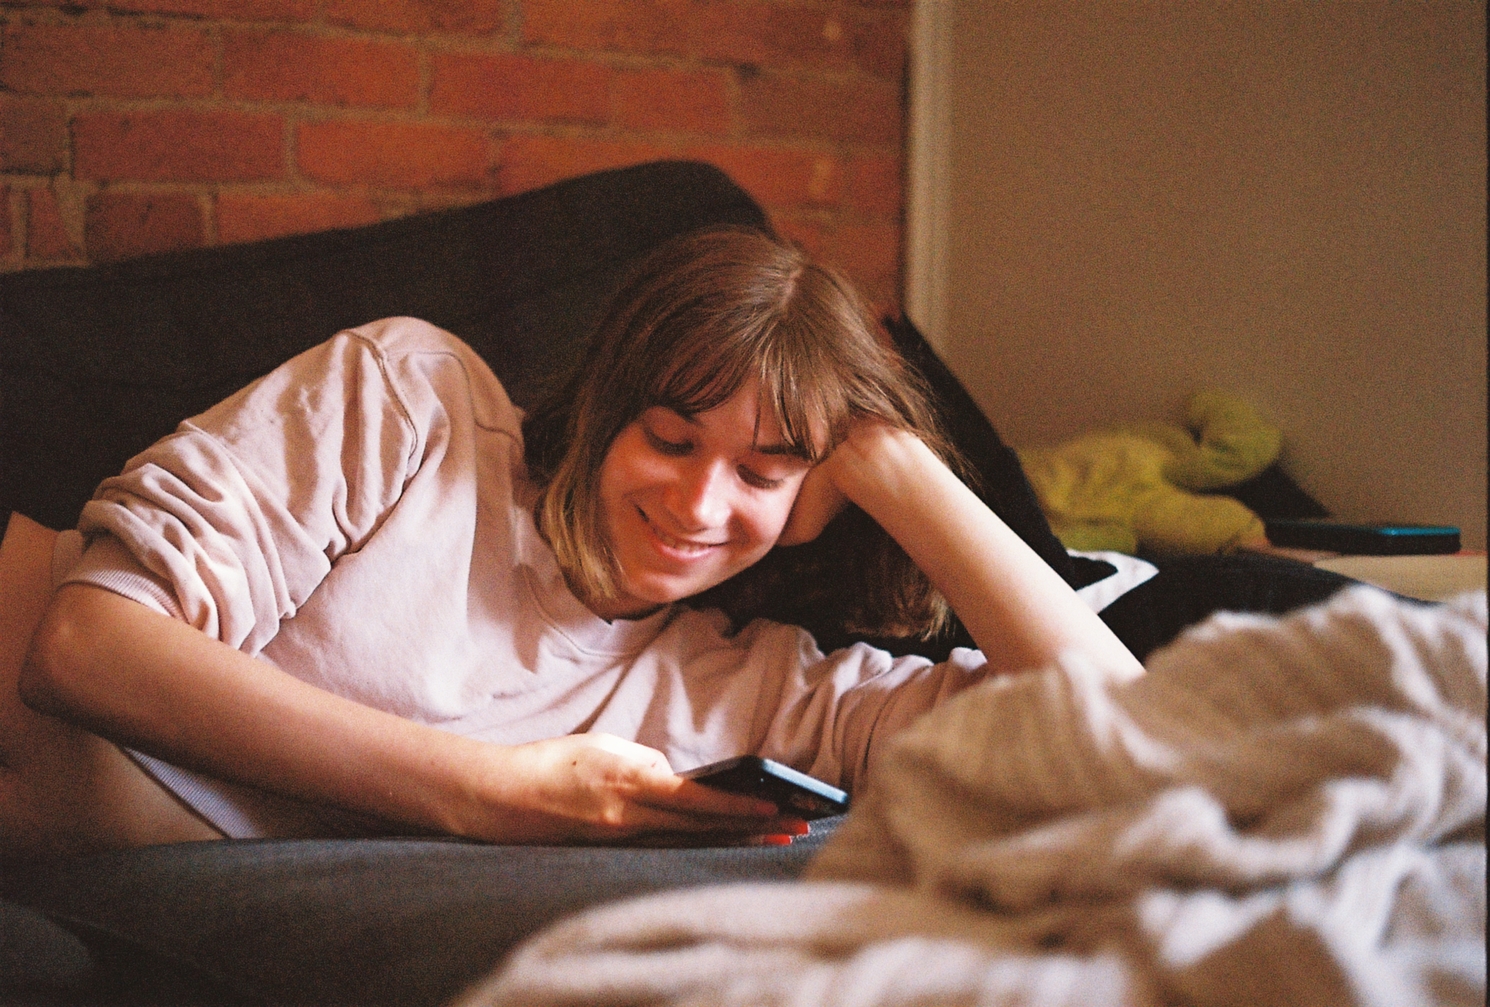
[63, 790]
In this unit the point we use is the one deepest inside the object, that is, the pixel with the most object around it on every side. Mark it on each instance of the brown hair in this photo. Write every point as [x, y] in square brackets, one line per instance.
[699, 318]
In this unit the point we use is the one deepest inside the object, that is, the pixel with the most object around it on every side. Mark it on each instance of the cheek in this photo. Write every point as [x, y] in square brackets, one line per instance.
[616, 481]
[768, 517]
[623, 468]
[605, 496]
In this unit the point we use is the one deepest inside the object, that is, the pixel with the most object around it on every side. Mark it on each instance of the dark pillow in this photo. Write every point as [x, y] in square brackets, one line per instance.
[38, 956]
[97, 363]
[1272, 494]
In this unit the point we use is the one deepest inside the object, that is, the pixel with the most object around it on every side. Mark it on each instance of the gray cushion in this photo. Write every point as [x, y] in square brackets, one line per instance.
[370, 922]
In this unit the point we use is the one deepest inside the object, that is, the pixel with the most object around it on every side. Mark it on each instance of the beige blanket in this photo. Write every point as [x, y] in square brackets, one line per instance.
[1282, 812]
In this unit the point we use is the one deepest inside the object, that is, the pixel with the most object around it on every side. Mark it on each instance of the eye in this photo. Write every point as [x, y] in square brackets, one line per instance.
[673, 449]
[755, 479]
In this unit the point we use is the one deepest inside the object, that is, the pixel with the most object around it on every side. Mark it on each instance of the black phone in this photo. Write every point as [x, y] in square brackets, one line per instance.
[793, 792]
[1364, 539]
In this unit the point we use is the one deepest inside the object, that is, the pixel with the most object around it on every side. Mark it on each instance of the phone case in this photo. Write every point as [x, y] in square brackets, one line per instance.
[791, 791]
[1365, 539]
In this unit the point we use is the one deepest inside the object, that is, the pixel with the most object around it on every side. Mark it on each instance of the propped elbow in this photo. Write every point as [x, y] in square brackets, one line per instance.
[52, 674]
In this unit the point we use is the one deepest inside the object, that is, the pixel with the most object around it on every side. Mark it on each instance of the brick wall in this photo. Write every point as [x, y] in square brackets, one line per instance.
[134, 126]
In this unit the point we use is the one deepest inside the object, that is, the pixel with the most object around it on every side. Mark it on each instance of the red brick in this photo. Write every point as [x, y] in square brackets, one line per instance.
[767, 35]
[846, 111]
[122, 225]
[6, 244]
[178, 146]
[247, 217]
[33, 135]
[404, 155]
[878, 45]
[532, 161]
[296, 11]
[470, 16]
[872, 185]
[283, 66]
[119, 62]
[520, 87]
[776, 177]
[683, 101]
[809, 232]
[840, 39]
[615, 25]
[46, 235]
[868, 253]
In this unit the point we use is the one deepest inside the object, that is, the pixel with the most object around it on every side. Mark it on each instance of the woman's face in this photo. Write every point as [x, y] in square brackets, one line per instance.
[688, 502]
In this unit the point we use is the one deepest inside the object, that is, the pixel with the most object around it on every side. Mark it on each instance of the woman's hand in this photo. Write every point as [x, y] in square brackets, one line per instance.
[601, 788]
[818, 502]
[825, 491]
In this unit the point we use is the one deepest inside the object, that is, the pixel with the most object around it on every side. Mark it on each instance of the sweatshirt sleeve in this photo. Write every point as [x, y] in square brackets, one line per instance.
[233, 520]
[837, 712]
[702, 694]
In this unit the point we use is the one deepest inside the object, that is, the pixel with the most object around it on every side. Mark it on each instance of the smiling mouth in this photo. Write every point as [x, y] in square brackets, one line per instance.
[682, 545]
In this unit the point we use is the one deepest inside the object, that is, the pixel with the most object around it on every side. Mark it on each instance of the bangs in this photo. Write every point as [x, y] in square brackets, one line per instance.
[797, 383]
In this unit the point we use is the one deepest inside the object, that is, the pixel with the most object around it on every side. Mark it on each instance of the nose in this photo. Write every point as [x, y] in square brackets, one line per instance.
[699, 500]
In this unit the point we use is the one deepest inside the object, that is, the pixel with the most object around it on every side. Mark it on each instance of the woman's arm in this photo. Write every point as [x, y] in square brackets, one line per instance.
[154, 683]
[1018, 610]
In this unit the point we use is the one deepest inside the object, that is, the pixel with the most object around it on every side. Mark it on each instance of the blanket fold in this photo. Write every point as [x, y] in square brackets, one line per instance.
[1283, 811]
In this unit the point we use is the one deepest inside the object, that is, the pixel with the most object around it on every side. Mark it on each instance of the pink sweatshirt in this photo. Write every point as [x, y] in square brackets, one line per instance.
[362, 518]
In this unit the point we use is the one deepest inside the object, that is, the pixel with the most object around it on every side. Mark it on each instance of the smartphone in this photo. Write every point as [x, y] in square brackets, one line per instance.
[1365, 539]
[793, 792]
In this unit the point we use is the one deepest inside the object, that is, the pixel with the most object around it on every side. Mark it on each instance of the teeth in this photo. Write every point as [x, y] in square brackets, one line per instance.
[673, 542]
[681, 544]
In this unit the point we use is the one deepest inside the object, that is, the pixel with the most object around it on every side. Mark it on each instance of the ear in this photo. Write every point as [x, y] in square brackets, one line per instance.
[818, 502]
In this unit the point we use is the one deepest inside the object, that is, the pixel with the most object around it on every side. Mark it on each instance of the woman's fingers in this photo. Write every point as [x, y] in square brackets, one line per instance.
[600, 787]
[831, 485]
[657, 798]
[701, 808]
[646, 821]
[818, 502]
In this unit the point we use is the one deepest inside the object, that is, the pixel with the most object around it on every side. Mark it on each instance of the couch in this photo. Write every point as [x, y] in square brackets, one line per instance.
[97, 362]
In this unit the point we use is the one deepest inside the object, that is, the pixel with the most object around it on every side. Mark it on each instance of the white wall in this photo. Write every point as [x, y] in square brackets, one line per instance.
[1286, 200]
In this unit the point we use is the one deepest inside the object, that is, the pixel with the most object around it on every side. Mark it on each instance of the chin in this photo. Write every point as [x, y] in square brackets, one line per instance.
[666, 594]
[660, 589]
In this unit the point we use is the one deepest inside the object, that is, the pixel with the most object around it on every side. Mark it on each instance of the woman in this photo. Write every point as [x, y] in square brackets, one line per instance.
[361, 594]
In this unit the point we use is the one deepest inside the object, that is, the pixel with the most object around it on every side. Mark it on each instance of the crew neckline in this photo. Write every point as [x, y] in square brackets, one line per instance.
[564, 611]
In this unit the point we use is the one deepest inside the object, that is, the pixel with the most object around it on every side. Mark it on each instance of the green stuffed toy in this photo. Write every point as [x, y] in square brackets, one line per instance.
[1129, 489]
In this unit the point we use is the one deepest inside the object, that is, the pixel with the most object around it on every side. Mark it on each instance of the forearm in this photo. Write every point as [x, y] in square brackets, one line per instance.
[145, 680]
[140, 678]
[1018, 610]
